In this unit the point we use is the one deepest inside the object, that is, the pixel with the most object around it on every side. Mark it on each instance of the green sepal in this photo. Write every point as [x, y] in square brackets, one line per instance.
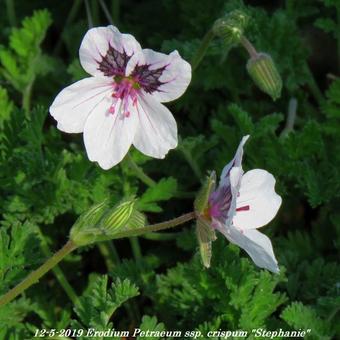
[202, 198]
[264, 73]
[205, 235]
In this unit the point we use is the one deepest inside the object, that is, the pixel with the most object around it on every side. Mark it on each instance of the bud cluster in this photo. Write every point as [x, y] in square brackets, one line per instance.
[102, 223]
[231, 27]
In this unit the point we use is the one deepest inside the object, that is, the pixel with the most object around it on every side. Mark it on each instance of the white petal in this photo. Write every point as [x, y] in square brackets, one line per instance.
[96, 42]
[236, 161]
[157, 128]
[257, 192]
[108, 136]
[175, 77]
[235, 177]
[74, 104]
[257, 245]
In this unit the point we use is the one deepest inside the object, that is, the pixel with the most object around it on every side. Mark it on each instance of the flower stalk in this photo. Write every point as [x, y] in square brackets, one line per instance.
[70, 246]
[202, 50]
[147, 180]
[38, 273]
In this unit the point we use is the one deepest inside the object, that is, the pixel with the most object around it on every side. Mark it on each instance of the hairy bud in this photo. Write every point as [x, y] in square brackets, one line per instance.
[231, 27]
[102, 223]
[263, 71]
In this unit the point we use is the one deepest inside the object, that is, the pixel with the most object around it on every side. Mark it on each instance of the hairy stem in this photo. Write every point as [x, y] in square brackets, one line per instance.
[313, 86]
[34, 277]
[249, 47]
[38, 273]
[191, 162]
[291, 116]
[140, 172]
[106, 11]
[26, 96]
[59, 273]
[136, 249]
[158, 226]
[202, 49]
[12, 19]
[71, 16]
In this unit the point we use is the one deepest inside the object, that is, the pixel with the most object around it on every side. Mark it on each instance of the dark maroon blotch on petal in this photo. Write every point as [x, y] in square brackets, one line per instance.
[148, 79]
[114, 63]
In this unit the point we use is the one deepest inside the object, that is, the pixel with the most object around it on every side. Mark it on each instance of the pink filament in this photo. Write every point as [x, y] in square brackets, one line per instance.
[125, 91]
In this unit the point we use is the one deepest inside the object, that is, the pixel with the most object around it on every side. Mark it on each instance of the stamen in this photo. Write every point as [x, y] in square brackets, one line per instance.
[244, 208]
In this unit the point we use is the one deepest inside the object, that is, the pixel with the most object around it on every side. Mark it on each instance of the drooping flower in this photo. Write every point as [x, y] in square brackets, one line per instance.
[242, 203]
[120, 104]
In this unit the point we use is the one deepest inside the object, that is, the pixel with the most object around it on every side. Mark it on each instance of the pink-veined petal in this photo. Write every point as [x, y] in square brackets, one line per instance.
[165, 76]
[235, 162]
[157, 128]
[108, 136]
[257, 202]
[257, 245]
[74, 103]
[96, 43]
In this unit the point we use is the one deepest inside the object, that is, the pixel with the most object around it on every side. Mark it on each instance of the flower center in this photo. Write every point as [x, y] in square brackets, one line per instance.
[219, 203]
[125, 89]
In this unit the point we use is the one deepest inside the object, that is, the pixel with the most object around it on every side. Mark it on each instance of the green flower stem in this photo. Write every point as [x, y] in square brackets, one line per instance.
[249, 47]
[313, 86]
[59, 273]
[191, 162]
[160, 236]
[70, 246]
[88, 14]
[106, 253]
[26, 96]
[115, 9]
[11, 13]
[106, 11]
[291, 117]
[140, 172]
[38, 273]
[71, 16]
[202, 50]
[338, 33]
[158, 226]
[136, 249]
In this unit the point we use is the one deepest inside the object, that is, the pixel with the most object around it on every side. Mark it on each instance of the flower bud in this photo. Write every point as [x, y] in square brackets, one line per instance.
[102, 223]
[205, 233]
[231, 27]
[263, 71]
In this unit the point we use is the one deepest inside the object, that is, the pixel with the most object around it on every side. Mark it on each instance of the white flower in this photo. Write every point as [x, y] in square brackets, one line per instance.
[120, 104]
[241, 204]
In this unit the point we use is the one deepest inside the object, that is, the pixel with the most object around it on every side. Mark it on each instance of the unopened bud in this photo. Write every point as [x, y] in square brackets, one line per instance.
[205, 233]
[102, 223]
[231, 27]
[263, 71]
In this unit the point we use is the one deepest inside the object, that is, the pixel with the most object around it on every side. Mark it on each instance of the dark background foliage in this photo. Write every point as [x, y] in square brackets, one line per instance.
[47, 180]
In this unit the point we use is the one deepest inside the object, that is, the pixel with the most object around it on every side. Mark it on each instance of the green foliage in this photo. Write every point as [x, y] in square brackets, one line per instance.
[299, 316]
[149, 323]
[165, 189]
[97, 305]
[19, 254]
[23, 60]
[47, 181]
